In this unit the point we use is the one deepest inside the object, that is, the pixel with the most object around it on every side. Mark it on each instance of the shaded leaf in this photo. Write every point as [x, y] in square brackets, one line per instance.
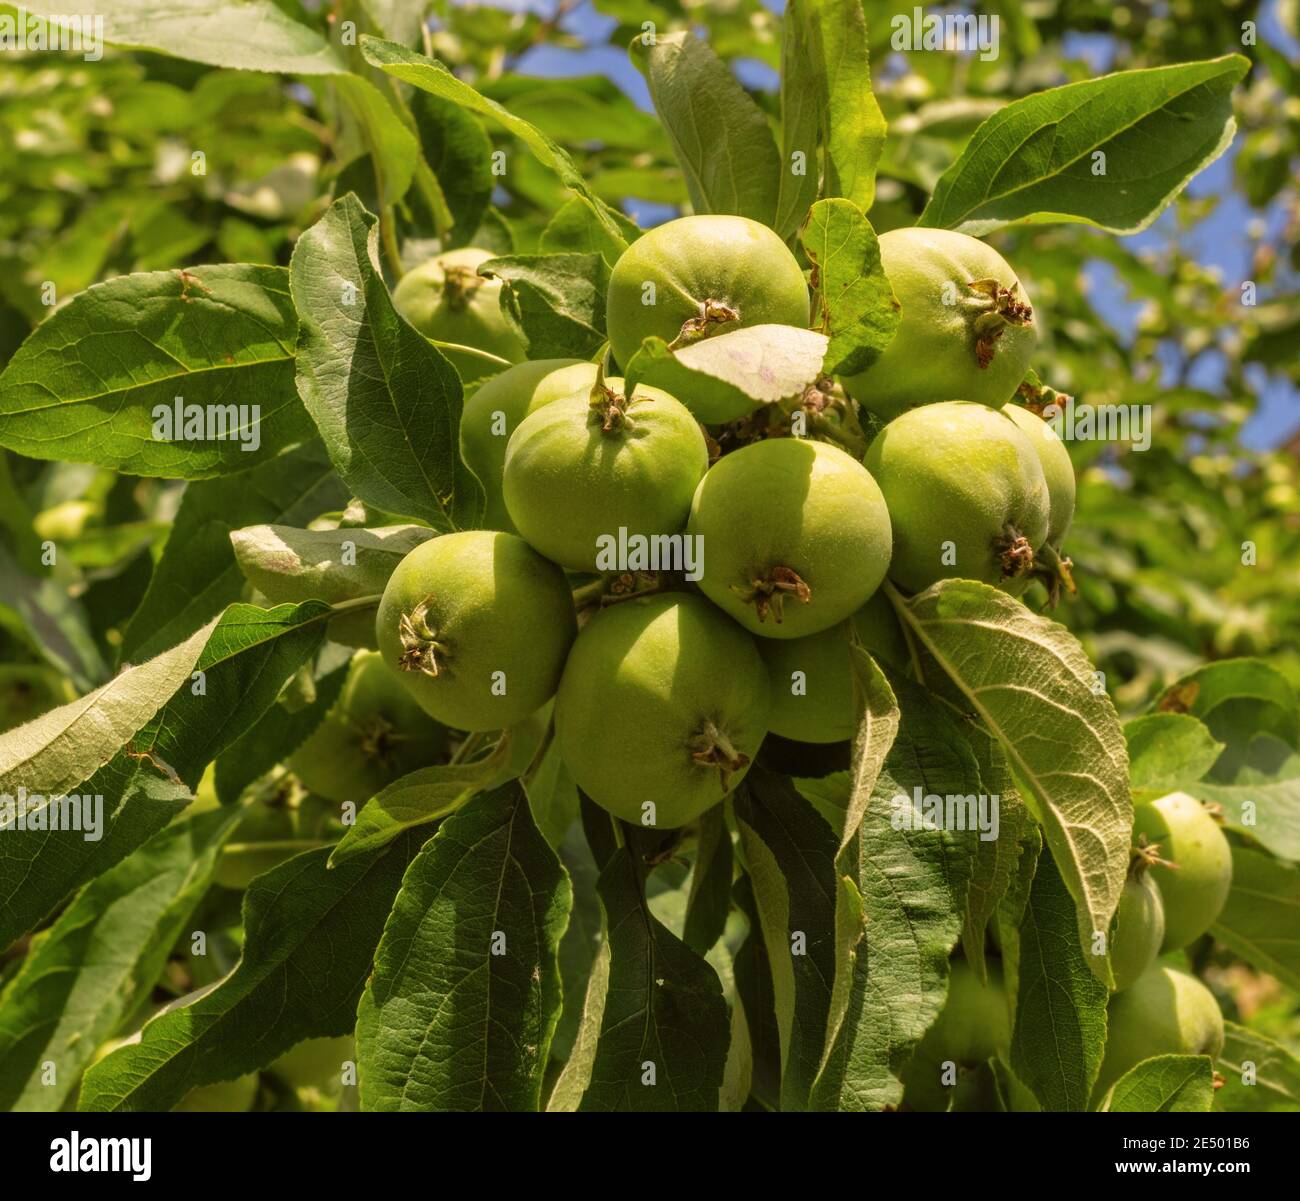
[1260, 920]
[1060, 1017]
[431, 76]
[1166, 1084]
[100, 959]
[720, 136]
[459, 1012]
[555, 301]
[663, 1010]
[385, 400]
[197, 576]
[310, 937]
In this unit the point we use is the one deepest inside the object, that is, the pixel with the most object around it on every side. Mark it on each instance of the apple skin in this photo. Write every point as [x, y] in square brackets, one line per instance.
[1164, 1012]
[1058, 471]
[790, 505]
[957, 476]
[1139, 930]
[648, 685]
[972, 1027]
[575, 474]
[477, 626]
[468, 313]
[933, 355]
[227, 1096]
[315, 1063]
[1194, 893]
[494, 412]
[727, 260]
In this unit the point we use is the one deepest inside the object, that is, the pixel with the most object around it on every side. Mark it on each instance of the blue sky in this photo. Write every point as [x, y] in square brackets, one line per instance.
[1222, 240]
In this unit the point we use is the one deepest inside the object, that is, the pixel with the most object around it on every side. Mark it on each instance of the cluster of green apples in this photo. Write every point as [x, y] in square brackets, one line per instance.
[662, 700]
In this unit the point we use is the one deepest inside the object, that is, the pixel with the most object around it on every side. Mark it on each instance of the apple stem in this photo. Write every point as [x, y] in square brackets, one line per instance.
[767, 592]
[712, 748]
[712, 312]
[420, 646]
[1015, 554]
[1002, 308]
[459, 285]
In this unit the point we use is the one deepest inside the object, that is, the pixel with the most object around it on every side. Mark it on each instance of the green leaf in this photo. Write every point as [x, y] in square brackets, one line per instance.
[555, 301]
[419, 797]
[720, 137]
[799, 176]
[245, 662]
[465, 994]
[158, 720]
[386, 402]
[1261, 917]
[851, 124]
[1230, 687]
[1031, 684]
[913, 881]
[709, 900]
[809, 926]
[997, 860]
[877, 716]
[729, 375]
[575, 1077]
[1264, 804]
[392, 147]
[551, 791]
[459, 153]
[67, 745]
[574, 230]
[197, 575]
[1113, 151]
[1259, 1073]
[1167, 752]
[38, 609]
[664, 1024]
[756, 996]
[100, 375]
[100, 959]
[40, 868]
[250, 35]
[584, 939]
[286, 564]
[855, 303]
[1011, 910]
[1060, 1017]
[310, 937]
[585, 111]
[431, 76]
[276, 735]
[1166, 1084]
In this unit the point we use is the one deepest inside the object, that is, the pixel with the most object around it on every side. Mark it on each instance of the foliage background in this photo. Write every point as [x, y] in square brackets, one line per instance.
[95, 181]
